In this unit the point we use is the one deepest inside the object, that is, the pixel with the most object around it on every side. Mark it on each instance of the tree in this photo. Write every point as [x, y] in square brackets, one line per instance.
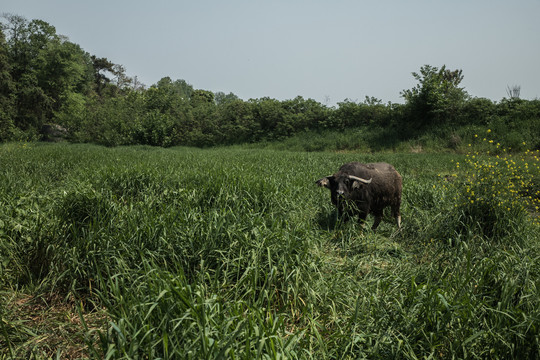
[202, 97]
[303, 114]
[65, 68]
[46, 69]
[222, 98]
[169, 97]
[179, 88]
[268, 113]
[437, 98]
[7, 88]
[25, 42]
[352, 114]
[102, 68]
[238, 122]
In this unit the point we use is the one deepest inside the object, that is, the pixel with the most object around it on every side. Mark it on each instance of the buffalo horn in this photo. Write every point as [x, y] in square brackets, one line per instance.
[360, 179]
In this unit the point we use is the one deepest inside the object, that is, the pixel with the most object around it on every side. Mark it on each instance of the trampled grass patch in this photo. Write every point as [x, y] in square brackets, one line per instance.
[235, 253]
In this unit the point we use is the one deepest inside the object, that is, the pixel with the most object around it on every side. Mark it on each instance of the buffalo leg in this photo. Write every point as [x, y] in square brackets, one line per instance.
[344, 215]
[378, 217]
[396, 214]
[362, 218]
[376, 223]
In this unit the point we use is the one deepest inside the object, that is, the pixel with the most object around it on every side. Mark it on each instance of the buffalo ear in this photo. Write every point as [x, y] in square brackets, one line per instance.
[356, 184]
[324, 182]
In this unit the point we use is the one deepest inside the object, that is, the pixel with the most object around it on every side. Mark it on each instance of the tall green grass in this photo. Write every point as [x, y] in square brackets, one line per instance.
[235, 253]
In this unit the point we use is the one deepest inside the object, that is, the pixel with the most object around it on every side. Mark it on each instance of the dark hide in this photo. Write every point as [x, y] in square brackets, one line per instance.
[361, 189]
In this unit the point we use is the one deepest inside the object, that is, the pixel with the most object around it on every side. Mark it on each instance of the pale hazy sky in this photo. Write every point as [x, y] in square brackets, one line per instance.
[327, 50]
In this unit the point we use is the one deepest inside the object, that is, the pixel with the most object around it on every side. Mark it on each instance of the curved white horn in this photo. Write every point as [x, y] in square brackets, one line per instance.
[360, 179]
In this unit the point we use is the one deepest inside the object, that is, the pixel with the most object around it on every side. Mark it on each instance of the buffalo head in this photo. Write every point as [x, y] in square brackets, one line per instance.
[342, 185]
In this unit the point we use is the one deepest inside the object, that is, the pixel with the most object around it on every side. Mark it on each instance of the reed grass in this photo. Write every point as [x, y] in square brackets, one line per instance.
[235, 253]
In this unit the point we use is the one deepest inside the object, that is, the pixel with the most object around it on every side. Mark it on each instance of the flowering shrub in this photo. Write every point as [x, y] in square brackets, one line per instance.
[498, 191]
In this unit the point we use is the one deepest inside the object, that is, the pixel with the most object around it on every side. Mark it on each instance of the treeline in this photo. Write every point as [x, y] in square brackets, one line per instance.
[46, 79]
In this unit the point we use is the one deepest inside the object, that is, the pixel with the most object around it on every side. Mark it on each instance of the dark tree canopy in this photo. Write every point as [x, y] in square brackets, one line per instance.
[46, 79]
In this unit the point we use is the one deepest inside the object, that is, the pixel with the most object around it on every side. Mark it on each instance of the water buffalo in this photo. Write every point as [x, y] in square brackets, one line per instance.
[360, 189]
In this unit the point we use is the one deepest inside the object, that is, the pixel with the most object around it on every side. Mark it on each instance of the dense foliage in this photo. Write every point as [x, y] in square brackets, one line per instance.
[46, 79]
[184, 253]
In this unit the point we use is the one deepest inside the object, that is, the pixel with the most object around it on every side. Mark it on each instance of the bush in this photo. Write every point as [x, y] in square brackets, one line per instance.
[477, 111]
[497, 195]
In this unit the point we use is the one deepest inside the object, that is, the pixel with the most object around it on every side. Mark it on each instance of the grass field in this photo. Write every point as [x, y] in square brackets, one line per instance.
[140, 252]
